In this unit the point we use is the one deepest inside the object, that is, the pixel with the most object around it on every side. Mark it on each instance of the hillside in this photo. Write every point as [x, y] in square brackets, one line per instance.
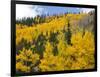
[62, 42]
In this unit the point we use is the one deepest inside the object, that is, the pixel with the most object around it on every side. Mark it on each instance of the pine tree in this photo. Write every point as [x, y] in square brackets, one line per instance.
[68, 34]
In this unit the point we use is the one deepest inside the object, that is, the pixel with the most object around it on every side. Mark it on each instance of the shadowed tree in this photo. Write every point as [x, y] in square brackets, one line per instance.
[53, 40]
[68, 34]
[39, 45]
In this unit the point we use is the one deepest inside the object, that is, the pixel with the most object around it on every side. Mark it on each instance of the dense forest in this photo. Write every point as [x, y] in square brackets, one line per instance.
[55, 43]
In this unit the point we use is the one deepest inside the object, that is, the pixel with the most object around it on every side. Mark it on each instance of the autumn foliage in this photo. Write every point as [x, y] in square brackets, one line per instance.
[57, 45]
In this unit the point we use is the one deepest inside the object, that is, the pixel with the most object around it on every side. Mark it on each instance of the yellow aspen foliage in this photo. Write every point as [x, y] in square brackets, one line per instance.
[84, 49]
[51, 37]
[24, 58]
[22, 67]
